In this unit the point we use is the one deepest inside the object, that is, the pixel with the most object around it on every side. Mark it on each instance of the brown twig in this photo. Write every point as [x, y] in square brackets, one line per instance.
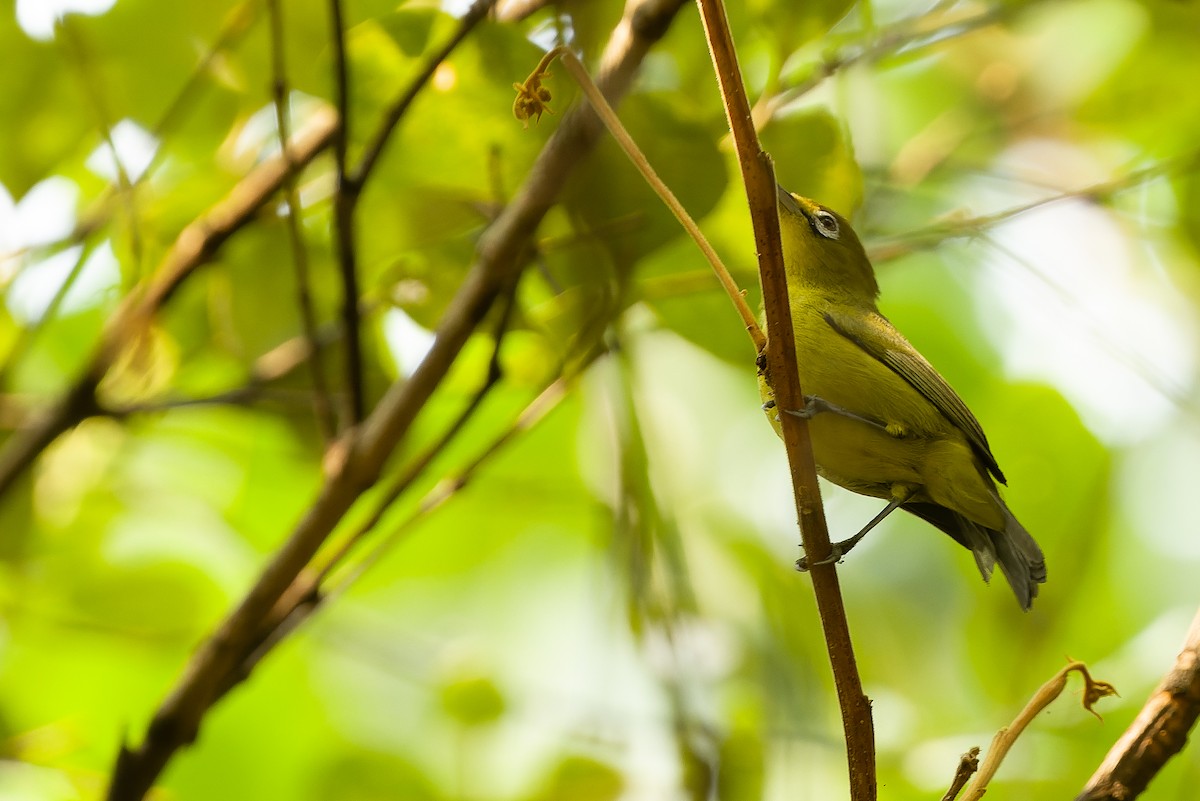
[322, 408]
[534, 413]
[779, 362]
[968, 763]
[193, 248]
[1158, 732]
[374, 148]
[500, 254]
[277, 363]
[314, 589]
[517, 10]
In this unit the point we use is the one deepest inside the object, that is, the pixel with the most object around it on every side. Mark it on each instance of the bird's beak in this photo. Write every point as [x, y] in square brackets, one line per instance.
[788, 202]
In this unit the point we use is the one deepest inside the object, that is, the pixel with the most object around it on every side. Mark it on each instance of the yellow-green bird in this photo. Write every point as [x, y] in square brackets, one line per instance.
[883, 422]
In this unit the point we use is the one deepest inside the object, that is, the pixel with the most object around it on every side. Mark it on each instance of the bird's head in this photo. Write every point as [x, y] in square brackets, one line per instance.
[820, 249]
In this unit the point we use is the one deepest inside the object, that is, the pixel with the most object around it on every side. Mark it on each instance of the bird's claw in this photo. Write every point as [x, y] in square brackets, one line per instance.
[814, 405]
[836, 555]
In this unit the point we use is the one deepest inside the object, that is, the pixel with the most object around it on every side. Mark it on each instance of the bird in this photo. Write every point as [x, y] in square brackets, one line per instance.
[882, 420]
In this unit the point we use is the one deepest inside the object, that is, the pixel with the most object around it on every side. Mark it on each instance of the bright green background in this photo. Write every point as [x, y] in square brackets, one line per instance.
[609, 610]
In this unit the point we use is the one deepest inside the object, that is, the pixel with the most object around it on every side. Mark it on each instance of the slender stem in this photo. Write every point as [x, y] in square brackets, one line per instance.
[344, 203]
[322, 408]
[92, 89]
[26, 335]
[781, 370]
[1093, 691]
[537, 410]
[907, 35]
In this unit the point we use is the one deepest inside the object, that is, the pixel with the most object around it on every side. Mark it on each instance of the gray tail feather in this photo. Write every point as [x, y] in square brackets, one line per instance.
[1020, 559]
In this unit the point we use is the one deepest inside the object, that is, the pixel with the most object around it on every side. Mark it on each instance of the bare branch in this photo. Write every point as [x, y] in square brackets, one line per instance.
[1158, 733]
[417, 467]
[968, 763]
[968, 226]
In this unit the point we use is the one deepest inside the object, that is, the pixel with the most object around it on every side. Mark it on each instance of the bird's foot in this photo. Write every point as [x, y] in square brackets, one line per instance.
[814, 405]
[837, 552]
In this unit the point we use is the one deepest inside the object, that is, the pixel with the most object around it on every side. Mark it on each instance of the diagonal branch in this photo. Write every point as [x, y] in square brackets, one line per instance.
[500, 254]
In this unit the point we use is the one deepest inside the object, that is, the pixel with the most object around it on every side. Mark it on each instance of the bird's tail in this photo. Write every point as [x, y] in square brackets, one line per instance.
[1020, 559]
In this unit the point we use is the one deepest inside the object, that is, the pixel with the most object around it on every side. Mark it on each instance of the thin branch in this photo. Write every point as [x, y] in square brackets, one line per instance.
[193, 248]
[533, 414]
[906, 36]
[26, 335]
[500, 255]
[1158, 732]
[345, 201]
[934, 235]
[88, 78]
[341, 84]
[322, 408]
[518, 10]
[780, 369]
[968, 763]
[399, 107]
[277, 363]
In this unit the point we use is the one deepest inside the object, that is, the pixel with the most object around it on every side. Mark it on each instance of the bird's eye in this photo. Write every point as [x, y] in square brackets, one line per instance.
[826, 225]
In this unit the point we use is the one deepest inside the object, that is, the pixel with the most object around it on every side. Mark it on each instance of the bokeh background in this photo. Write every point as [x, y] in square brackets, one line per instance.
[607, 607]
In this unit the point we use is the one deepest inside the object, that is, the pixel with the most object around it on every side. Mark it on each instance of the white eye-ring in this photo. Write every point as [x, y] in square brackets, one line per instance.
[826, 225]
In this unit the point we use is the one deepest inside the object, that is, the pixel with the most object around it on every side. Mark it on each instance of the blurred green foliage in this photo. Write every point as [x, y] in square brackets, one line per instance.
[606, 608]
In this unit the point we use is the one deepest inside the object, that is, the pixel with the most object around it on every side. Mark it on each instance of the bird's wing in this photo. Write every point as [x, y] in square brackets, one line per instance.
[877, 337]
